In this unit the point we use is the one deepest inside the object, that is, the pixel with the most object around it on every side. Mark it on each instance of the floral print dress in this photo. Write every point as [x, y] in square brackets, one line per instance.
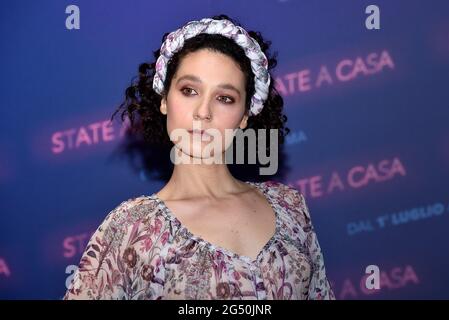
[142, 251]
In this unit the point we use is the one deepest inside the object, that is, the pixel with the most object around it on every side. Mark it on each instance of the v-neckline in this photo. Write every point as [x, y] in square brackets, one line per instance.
[258, 186]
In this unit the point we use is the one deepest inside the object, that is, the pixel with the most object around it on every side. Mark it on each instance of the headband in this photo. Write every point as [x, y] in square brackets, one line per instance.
[259, 63]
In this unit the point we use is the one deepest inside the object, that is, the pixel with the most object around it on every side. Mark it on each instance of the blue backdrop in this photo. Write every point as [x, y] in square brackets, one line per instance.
[368, 110]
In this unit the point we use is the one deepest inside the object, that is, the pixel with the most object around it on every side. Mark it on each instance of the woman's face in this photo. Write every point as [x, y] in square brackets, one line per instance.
[206, 84]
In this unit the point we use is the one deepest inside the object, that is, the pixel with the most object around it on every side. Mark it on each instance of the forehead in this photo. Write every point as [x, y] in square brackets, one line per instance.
[212, 67]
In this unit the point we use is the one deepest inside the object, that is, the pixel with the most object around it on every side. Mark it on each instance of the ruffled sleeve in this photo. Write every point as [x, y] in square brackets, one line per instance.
[319, 287]
[111, 267]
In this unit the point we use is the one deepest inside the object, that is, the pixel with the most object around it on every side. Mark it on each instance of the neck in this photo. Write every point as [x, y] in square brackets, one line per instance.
[211, 181]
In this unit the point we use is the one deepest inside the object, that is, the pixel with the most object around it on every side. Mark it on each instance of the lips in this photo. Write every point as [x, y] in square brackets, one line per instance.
[199, 132]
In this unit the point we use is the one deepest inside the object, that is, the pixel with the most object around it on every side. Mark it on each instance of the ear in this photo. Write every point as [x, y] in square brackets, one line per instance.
[244, 121]
[163, 107]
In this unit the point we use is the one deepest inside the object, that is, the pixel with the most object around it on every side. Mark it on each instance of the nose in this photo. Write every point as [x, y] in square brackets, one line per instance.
[203, 110]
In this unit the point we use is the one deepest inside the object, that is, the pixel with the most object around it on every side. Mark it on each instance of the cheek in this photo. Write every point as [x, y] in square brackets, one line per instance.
[230, 120]
[178, 115]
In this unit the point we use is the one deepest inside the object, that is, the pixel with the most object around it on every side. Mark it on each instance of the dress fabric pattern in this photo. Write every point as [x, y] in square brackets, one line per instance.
[142, 251]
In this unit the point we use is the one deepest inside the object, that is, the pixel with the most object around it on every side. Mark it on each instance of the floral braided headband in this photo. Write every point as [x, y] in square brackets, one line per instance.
[259, 63]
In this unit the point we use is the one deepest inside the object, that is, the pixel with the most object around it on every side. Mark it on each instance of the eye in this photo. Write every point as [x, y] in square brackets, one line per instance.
[187, 91]
[228, 101]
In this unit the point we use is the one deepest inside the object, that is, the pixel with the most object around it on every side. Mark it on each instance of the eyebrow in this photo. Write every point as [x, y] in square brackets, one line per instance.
[197, 79]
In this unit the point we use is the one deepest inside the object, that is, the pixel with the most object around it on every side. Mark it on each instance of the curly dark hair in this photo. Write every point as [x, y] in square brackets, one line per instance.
[141, 104]
[140, 97]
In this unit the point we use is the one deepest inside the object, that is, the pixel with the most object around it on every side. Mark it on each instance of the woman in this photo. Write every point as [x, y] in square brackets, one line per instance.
[206, 235]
